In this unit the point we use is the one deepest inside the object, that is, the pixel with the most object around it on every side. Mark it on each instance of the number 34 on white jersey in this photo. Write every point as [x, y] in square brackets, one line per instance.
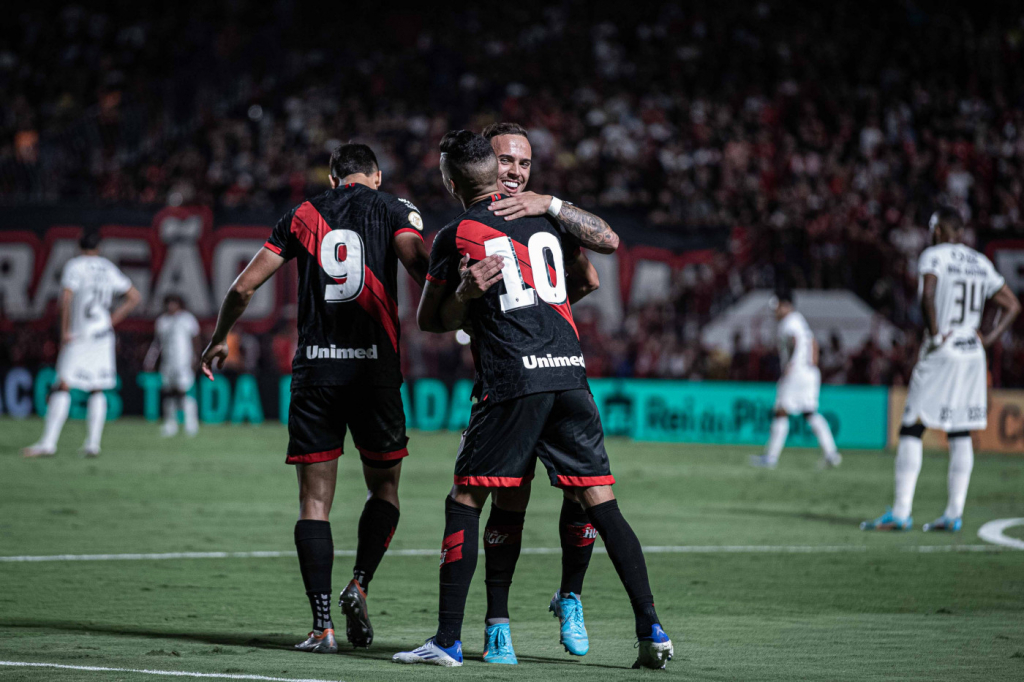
[966, 279]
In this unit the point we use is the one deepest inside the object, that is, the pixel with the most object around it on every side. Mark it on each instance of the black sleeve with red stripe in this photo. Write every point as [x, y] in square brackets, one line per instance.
[403, 216]
[282, 240]
[444, 258]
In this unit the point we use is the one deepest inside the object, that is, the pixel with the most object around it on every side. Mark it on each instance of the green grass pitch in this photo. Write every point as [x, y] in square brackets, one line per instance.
[880, 613]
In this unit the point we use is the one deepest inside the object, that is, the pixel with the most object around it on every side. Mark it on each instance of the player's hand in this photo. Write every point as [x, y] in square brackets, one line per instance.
[525, 204]
[935, 342]
[479, 277]
[211, 355]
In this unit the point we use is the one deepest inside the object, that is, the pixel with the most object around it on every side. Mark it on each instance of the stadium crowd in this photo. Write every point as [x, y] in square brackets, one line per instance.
[820, 159]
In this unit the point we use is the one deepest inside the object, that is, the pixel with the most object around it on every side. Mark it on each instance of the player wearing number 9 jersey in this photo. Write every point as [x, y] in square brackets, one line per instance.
[948, 386]
[346, 372]
[535, 401]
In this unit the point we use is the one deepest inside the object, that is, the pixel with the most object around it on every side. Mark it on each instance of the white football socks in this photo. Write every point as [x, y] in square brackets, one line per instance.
[822, 431]
[191, 410]
[170, 416]
[776, 438]
[961, 462]
[95, 418]
[908, 465]
[56, 414]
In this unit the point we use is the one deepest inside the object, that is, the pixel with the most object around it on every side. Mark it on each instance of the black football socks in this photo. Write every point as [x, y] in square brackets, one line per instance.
[458, 562]
[577, 537]
[376, 528]
[628, 558]
[315, 547]
[503, 539]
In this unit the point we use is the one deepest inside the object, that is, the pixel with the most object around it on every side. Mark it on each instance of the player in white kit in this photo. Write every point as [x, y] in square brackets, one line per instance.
[948, 386]
[176, 335]
[798, 387]
[89, 285]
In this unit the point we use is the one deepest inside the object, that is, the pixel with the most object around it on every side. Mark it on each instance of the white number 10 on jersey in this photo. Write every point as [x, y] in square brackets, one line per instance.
[517, 295]
[341, 257]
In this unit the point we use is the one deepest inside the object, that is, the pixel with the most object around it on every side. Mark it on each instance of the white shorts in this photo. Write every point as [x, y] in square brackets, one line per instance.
[797, 391]
[177, 378]
[88, 364]
[948, 389]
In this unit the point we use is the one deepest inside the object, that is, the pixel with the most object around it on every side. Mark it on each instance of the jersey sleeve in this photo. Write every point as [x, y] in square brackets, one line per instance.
[71, 278]
[282, 240]
[993, 280]
[403, 216]
[930, 263]
[444, 258]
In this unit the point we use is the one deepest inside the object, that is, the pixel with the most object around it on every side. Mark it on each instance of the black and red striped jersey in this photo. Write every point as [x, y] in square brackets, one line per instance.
[525, 339]
[348, 323]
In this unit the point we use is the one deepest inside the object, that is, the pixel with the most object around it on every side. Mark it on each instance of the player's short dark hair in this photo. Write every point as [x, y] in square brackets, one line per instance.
[90, 240]
[949, 218]
[469, 160]
[175, 298]
[784, 295]
[504, 128]
[352, 158]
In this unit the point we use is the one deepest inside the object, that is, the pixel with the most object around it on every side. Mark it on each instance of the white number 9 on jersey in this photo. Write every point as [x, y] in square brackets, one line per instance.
[341, 257]
[517, 295]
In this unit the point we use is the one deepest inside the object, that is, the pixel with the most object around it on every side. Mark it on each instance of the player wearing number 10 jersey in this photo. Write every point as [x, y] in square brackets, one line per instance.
[535, 401]
[346, 370]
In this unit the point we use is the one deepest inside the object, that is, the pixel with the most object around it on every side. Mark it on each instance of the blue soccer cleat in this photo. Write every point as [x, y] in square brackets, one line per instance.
[944, 523]
[888, 522]
[432, 654]
[498, 645]
[655, 650]
[572, 631]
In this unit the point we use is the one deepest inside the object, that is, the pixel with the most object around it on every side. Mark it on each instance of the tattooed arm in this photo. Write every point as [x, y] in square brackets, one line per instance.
[592, 232]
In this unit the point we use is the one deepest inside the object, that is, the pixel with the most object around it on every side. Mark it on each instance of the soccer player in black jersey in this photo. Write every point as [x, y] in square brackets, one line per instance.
[346, 370]
[503, 529]
[535, 401]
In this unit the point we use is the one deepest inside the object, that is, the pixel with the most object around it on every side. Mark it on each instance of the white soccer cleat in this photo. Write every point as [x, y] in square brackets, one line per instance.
[37, 450]
[830, 461]
[88, 452]
[762, 462]
[654, 651]
[169, 429]
[432, 654]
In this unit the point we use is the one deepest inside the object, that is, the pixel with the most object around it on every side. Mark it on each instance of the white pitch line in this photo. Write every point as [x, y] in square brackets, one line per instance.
[994, 532]
[668, 549]
[164, 673]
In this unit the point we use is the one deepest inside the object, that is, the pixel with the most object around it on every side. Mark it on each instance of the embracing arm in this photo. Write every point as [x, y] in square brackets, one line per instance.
[592, 232]
[263, 265]
[1009, 308]
[580, 277]
[440, 311]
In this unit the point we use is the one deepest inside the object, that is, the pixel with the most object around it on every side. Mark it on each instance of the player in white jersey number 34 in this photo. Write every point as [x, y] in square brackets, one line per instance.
[89, 286]
[948, 386]
[797, 391]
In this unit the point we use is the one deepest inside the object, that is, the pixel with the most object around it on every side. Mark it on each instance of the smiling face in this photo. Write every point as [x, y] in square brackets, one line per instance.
[515, 156]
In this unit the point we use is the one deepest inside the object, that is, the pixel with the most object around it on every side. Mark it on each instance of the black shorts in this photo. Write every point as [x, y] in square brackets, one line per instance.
[503, 441]
[318, 417]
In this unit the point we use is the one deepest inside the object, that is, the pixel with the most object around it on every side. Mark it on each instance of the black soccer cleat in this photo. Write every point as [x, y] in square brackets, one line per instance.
[357, 626]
